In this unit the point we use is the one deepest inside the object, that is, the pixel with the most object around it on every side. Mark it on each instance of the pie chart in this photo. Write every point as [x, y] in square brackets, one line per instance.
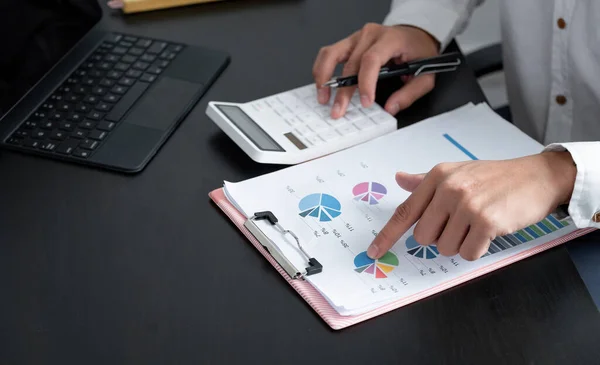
[425, 252]
[378, 268]
[369, 192]
[324, 207]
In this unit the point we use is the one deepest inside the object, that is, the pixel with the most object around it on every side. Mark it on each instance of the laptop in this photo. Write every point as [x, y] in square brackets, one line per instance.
[70, 90]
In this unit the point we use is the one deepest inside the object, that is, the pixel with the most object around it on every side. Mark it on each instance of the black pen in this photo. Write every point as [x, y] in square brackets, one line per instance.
[443, 63]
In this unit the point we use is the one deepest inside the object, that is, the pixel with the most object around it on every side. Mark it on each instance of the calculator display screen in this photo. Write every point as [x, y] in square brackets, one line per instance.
[256, 134]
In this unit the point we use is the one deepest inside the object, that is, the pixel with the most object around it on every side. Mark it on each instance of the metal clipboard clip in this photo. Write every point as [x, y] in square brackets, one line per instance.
[313, 267]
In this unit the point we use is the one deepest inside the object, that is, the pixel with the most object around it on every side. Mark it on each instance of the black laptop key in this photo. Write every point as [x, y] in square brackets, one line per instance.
[157, 47]
[83, 108]
[88, 124]
[88, 81]
[67, 147]
[130, 38]
[81, 153]
[66, 126]
[111, 98]
[154, 70]
[126, 81]
[95, 115]
[114, 75]
[47, 145]
[161, 63]
[73, 98]
[72, 81]
[97, 135]
[75, 117]
[57, 115]
[127, 101]
[89, 144]
[122, 66]
[14, 141]
[136, 51]
[91, 99]
[119, 50]
[56, 97]
[99, 90]
[65, 89]
[95, 58]
[39, 115]
[143, 43]
[119, 89]
[166, 55]
[81, 72]
[113, 37]
[133, 73]
[107, 82]
[64, 107]
[176, 48]
[105, 126]
[103, 107]
[107, 45]
[58, 135]
[128, 58]
[82, 90]
[140, 65]
[125, 44]
[111, 57]
[30, 124]
[146, 57]
[49, 125]
[97, 74]
[148, 77]
[79, 134]
[47, 106]
[31, 143]
[23, 133]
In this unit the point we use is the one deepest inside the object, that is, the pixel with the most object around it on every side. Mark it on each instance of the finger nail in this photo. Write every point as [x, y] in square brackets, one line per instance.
[322, 95]
[394, 108]
[372, 251]
[337, 110]
[365, 100]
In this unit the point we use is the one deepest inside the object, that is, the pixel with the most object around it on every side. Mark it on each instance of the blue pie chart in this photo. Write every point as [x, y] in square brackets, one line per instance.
[322, 206]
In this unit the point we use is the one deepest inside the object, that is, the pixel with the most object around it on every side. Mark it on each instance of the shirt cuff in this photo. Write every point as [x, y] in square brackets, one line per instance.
[439, 21]
[584, 206]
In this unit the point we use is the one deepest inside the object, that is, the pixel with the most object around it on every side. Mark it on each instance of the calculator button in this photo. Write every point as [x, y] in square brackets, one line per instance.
[382, 118]
[335, 122]
[318, 126]
[282, 111]
[302, 130]
[353, 115]
[308, 117]
[314, 140]
[346, 129]
[292, 121]
[364, 123]
[372, 110]
[329, 135]
[355, 100]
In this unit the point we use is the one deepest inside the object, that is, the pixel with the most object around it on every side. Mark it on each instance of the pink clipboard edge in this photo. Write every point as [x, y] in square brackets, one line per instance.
[328, 313]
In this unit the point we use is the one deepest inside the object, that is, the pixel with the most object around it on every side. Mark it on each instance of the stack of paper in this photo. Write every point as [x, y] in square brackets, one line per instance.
[336, 205]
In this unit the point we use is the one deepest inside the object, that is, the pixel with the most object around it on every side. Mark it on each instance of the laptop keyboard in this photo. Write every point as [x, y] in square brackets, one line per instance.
[88, 106]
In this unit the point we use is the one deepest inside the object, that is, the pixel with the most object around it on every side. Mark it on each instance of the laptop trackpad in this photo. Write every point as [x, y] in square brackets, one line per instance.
[164, 102]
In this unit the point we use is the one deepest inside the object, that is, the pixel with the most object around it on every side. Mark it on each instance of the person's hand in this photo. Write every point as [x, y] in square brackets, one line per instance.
[462, 206]
[364, 53]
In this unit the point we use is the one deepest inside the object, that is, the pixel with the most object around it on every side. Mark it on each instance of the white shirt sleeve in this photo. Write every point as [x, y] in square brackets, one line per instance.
[443, 19]
[584, 207]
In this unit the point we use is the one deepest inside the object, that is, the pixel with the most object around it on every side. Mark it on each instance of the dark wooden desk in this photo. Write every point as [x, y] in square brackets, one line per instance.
[102, 268]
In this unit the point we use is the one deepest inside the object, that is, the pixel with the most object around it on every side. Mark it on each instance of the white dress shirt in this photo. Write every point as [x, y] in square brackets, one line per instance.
[552, 67]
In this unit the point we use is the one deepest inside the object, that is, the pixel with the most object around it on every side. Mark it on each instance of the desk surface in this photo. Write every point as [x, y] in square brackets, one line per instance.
[97, 267]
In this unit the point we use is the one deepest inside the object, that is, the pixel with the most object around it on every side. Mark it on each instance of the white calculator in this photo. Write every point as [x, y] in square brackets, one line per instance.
[292, 127]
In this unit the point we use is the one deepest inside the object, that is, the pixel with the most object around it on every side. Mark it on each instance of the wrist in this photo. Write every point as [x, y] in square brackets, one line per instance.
[563, 173]
[426, 34]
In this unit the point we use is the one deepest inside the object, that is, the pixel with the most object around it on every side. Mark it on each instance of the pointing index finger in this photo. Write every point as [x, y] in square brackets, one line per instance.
[407, 214]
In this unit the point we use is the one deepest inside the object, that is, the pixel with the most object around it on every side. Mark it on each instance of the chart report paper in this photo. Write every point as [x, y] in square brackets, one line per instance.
[336, 205]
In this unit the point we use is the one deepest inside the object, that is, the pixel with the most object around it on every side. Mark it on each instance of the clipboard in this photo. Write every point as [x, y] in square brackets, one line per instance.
[294, 275]
[137, 6]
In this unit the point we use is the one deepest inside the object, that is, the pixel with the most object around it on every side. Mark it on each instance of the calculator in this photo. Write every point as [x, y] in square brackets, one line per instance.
[292, 127]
